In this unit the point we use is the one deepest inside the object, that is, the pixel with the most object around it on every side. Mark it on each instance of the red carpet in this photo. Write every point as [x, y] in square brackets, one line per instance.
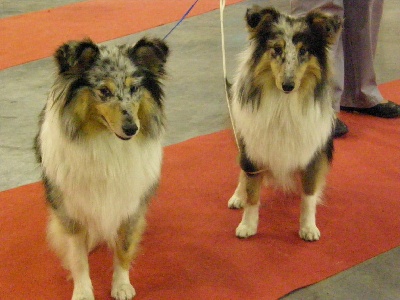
[190, 251]
[36, 35]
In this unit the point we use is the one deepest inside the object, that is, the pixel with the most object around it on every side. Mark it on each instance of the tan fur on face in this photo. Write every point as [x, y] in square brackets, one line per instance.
[147, 110]
[311, 76]
[84, 111]
[113, 116]
[270, 70]
[130, 81]
[95, 115]
[263, 74]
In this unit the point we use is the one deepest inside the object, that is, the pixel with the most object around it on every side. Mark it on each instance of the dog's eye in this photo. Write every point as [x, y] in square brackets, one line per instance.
[105, 92]
[302, 51]
[133, 89]
[278, 50]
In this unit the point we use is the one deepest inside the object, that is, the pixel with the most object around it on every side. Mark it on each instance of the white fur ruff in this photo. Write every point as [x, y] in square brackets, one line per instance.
[284, 133]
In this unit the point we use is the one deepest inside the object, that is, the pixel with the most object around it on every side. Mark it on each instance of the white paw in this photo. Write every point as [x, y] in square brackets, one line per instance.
[123, 291]
[310, 233]
[235, 202]
[244, 230]
[82, 294]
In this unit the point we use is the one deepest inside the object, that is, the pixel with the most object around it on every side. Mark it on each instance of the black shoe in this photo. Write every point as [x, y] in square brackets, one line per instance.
[340, 129]
[382, 110]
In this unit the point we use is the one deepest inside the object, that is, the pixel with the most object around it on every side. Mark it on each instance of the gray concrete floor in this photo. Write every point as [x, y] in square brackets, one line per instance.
[195, 106]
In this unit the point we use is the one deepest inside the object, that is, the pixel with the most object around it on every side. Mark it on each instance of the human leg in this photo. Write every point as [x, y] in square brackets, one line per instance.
[361, 27]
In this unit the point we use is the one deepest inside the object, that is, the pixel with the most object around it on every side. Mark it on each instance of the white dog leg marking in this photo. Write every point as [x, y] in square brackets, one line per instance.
[239, 197]
[82, 292]
[77, 258]
[248, 225]
[308, 228]
[121, 286]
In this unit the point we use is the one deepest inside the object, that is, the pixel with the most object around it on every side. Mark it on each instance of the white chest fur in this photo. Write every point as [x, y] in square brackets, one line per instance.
[102, 179]
[284, 133]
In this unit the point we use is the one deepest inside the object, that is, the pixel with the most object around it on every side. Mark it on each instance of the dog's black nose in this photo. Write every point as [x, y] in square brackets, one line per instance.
[288, 87]
[129, 129]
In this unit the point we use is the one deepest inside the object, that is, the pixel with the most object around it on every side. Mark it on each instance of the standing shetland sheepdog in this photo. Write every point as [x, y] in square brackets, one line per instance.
[282, 110]
[99, 146]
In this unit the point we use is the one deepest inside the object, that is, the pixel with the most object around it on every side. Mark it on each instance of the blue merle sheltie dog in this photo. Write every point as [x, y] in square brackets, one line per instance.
[282, 111]
[99, 146]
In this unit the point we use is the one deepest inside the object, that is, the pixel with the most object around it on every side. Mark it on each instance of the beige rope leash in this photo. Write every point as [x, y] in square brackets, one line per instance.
[221, 14]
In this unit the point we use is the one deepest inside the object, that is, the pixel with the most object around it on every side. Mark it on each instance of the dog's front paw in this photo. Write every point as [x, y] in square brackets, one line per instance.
[82, 294]
[310, 233]
[245, 230]
[123, 291]
[235, 202]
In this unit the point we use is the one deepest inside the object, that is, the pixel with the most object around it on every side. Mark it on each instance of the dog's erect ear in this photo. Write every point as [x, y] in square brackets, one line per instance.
[150, 54]
[256, 14]
[76, 56]
[327, 26]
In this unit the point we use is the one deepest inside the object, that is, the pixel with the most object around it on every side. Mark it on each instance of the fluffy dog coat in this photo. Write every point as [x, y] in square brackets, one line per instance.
[99, 146]
[282, 111]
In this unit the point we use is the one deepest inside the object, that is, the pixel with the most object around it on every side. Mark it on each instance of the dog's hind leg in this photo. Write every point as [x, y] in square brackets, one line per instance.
[126, 246]
[238, 199]
[249, 224]
[70, 243]
[313, 181]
